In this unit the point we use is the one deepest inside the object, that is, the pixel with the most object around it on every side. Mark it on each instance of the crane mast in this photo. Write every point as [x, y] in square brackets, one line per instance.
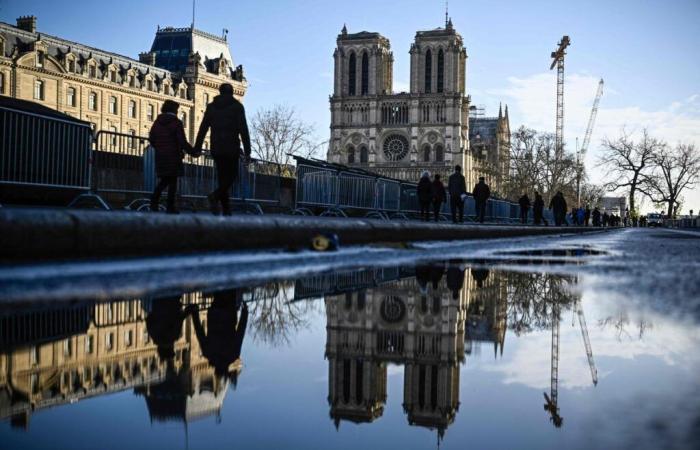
[587, 343]
[558, 61]
[581, 153]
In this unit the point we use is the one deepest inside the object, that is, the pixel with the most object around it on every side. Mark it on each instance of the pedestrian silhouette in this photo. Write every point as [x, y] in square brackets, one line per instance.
[538, 208]
[229, 128]
[558, 207]
[524, 203]
[457, 187]
[167, 136]
[439, 196]
[425, 195]
[596, 217]
[481, 193]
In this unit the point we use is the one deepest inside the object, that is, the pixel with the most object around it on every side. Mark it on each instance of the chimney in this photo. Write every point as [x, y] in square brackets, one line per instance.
[27, 23]
[148, 58]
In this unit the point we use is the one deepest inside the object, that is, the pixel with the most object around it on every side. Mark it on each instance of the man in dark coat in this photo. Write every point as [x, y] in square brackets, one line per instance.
[457, 187]
[167, 136]
[596, 217]
[425, 195]
[439, 196]
[586, 216]
[524, 203]
[558, 207]
[538, 208]
[481, 193]
[229, 128]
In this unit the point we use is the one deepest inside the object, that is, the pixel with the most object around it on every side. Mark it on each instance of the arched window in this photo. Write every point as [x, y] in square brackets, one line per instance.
[38, 90]
[365, 73]
[351, 155]
[441, 71]
[92, 101]
[70, 96]
[132, 109]
[352, 74]
[439, 153]
[426, 153]
[363, 155]
[428, 71]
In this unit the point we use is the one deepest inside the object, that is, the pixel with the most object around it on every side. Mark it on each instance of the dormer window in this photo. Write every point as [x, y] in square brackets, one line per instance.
[38, 90]
[71, 65]
[40, 59]
[132, 81]
[183, 94]
[113, 76]
[92, 71]
[149, 85]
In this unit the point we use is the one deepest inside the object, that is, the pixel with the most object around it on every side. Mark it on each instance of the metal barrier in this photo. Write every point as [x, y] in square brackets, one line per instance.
[45, 151]
[124, 165]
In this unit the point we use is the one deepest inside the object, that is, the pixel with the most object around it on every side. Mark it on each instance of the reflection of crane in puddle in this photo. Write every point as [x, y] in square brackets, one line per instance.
[551, 401]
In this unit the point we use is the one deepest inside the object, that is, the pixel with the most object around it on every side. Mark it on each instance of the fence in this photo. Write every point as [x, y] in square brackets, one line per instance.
[44, 151]
[123, 167]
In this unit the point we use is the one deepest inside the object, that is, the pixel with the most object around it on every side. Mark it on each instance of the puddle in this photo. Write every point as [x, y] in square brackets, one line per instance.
[452, 353]
[555, 252]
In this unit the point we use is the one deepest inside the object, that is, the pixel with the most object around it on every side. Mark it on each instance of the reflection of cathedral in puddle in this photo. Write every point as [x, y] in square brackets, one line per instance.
[486, 311]
[416, 322]
[164, 348]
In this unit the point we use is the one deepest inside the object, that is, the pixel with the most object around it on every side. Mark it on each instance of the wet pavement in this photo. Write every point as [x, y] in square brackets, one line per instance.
[545, 342]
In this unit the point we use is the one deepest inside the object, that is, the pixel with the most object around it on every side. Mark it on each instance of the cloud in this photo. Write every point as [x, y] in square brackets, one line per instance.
[532, 100]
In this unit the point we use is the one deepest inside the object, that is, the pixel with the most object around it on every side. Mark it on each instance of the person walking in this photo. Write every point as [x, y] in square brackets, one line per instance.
[558, 207]
[580, 216]
[457, 188]
[538, 208]
[524, 203]
[596, 217]
[425, 195]
[587, 216]
[439, 196]
[229, 129]
[167, 136]
[481, 194]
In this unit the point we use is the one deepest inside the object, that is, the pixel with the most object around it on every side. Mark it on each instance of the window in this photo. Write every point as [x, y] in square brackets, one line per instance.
[363, 155]
[2, 83]
[365, 74]
[109, 341]
[67, 348]
[395, 147]
[71, 65]
[128, 338]
[183, 119]
[439, 153]
[114, 144]
[150, 112]
[70, 96]
[144, 336]
[132, 109]
[40, 59]
[428, 71]
[38, 90]
[183, 93]
[113, 76]
[351, 155]
[426, 153]
[89, 343]
[352, 74]
[92, 71]
[149, 85]
[34, 355]
[132, 81]
[440, 71]
[92, 101]
[112, 105]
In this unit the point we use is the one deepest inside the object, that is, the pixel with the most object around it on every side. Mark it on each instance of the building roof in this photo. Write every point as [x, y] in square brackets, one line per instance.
[486, 128]
[36, 108]
[173, 46]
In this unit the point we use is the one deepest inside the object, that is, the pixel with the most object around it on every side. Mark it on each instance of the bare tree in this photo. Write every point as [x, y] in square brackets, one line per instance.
[674, 170]
[591, 193]
[626, 162]
[533, 165]
[277, 134]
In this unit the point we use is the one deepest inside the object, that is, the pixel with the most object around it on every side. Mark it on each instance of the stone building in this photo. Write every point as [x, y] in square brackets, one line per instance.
[489, 140]
[115, 92]
[417, 322]
[63, 354]
[402, 134]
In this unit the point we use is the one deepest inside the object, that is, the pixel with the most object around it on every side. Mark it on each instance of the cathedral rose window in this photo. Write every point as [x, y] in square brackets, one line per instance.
[395, 147]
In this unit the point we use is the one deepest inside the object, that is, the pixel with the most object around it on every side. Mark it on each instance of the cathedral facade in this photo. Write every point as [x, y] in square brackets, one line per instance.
[400, 135]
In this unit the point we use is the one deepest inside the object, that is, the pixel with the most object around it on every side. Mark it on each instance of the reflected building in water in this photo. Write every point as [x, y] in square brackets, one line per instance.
[417, 322]
[51, 356]
[486, 311]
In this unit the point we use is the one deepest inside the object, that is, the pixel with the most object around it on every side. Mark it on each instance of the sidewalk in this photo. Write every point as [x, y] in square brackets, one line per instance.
[69, 233]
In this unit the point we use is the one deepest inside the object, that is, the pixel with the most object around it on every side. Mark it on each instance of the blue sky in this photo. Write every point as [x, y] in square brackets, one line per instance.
[646, 50]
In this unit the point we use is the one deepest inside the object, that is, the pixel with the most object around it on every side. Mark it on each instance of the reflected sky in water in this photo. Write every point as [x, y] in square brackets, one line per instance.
[443, 354]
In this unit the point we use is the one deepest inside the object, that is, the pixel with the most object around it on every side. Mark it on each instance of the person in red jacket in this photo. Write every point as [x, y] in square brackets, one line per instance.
[167, 137]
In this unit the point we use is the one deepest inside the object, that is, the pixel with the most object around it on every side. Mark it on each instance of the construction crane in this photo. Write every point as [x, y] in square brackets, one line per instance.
[558, 60]
[581, 153]
[586, 342]
[551, 401]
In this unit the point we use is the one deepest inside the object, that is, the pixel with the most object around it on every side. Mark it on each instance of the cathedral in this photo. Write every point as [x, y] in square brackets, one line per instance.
[400, 135]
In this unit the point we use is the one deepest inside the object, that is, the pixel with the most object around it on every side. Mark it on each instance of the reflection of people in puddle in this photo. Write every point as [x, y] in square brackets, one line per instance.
[222, 341]
[455, 278]
[480, 275]
[164, 325]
